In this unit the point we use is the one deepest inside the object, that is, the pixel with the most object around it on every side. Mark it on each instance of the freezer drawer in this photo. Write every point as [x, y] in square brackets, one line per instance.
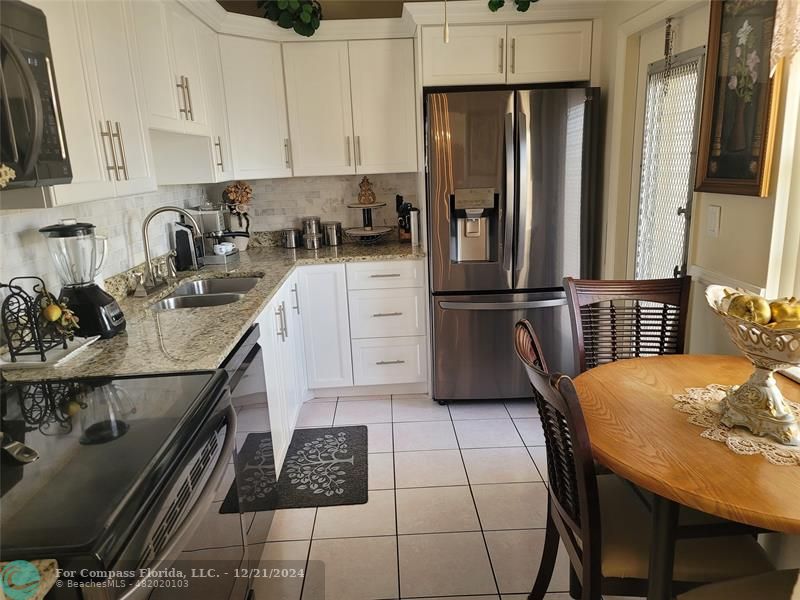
[473, 343]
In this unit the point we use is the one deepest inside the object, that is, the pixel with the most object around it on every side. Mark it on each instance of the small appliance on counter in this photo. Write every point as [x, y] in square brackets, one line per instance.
[73, 247]
[405, 215]
[215, 225]
[186, 253]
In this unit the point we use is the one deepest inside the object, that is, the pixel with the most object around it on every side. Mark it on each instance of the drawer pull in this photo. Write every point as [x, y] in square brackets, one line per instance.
[385, 275]
[390, 362]
[391, 314]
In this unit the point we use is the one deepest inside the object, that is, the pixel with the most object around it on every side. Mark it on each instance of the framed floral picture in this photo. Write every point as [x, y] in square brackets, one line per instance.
[740, 100]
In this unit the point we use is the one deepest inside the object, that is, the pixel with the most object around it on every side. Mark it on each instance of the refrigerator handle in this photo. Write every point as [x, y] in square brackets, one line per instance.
[524, 186]
[503, 305]
[510, 195]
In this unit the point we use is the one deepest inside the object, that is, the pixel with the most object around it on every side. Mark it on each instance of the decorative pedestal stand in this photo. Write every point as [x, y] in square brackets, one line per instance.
[369, 233]
[758, 404]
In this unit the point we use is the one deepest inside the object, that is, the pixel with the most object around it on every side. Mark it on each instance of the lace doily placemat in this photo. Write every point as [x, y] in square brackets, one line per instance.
[702, 406]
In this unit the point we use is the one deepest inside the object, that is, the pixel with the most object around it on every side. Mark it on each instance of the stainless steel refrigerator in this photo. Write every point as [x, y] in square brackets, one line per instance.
[511, 192]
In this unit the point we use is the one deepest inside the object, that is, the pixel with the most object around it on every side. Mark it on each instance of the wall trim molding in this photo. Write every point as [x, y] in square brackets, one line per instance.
[709, 277]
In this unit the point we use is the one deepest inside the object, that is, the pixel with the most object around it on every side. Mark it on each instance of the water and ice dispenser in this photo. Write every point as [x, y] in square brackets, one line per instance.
[473, 224]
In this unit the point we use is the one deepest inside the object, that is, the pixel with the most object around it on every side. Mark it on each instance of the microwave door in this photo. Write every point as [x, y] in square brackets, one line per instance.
[470, 185]
[550, 232]
[22, 112]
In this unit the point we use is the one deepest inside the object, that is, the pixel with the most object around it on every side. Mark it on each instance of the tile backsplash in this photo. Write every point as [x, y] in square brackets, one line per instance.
[281, 203]
[24, 249]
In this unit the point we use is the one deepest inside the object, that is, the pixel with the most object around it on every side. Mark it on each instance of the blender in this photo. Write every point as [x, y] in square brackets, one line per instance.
[73, 247]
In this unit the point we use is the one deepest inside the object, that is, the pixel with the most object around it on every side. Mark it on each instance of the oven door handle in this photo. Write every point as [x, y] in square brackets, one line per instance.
[36, 99]
[196, 513]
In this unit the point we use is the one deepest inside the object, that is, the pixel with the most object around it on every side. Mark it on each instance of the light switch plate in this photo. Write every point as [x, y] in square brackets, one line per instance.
[713, 219]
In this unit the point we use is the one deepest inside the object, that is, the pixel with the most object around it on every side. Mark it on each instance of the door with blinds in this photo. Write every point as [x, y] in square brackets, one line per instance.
[669, 144]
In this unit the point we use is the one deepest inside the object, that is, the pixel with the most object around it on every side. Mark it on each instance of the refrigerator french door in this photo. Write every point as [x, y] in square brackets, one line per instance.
[510, 188]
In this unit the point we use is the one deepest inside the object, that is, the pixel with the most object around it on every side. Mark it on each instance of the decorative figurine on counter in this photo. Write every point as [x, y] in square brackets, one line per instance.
[365, 193]
[237, 196]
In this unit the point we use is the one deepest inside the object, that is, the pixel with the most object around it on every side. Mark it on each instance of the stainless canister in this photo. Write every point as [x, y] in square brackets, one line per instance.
[313, 242]
[332, 233]
[311, 226]
[291, 238]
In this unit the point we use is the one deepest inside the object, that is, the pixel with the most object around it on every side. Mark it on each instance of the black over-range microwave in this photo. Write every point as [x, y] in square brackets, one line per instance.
[33, 142]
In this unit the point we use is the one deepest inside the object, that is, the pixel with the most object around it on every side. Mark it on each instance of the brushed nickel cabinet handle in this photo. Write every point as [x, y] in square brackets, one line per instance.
[283, 319]
[390, 362]
[118, 134]
[358, 150]
[347, 147]
[391, 314]
[380, 275]
[189, 98]
[286, 153]
[502, 46]
[183, 104]
[218, 144]
[112, 167]
[56, 112]
[513, 54]
[281, 331]
[296, 298]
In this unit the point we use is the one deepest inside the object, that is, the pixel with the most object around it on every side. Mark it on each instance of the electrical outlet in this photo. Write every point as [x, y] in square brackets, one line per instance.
[713, 220]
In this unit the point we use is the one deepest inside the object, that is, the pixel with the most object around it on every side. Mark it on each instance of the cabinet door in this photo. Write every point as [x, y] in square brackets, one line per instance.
[163, 99]
[183, 28]
[254, 95]
[326, 328]
[215, 103]
[90, 178]
[119, 97]
[384, 116]
[475, 54]
[320, 117]
[549, 52]
[272, 346]
[296, 342]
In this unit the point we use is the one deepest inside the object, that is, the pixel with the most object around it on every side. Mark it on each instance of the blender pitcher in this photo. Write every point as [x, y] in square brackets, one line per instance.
[73, 248]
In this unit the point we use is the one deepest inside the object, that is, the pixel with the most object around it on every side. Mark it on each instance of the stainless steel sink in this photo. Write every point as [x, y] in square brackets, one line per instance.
[196, 301]
[225, 285]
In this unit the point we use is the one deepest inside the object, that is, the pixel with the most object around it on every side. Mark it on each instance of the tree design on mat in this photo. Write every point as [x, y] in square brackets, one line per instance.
[259, 474]
[319, 465]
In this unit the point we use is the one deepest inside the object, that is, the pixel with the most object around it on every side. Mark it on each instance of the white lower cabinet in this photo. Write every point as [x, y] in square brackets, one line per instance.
[387, 313]
[384, 361]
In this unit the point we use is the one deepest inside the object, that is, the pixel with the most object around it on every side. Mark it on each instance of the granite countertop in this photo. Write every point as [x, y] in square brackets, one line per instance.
[199, 339]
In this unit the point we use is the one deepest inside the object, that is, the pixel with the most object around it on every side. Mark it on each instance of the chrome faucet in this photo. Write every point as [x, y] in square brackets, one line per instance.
[150, 277]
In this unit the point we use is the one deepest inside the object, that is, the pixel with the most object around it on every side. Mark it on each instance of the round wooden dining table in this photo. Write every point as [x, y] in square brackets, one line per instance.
[635, 431]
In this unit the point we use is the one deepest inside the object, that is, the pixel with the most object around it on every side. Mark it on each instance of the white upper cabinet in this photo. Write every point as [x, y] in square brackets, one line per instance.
[124, 139]
[168, 50]
[254, 94]
[384, 117]
[320, 117]
[549, 52]
[475, 54]
[530, 53]
[216, 107]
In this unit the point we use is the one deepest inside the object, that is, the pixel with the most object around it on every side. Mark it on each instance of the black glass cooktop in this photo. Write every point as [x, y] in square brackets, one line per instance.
[103, 447]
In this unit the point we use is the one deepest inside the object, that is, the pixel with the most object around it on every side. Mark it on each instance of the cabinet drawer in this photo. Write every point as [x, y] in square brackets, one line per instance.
[386, 313]
[386, 274]
[389, 360]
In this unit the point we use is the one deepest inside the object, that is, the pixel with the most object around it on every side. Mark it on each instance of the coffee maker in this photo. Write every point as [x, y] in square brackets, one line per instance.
[73, 247]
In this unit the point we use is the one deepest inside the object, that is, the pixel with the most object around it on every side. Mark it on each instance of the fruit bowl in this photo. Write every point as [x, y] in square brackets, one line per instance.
[758, 404]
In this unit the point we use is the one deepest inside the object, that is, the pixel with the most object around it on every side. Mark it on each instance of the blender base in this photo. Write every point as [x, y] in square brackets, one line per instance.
[97, 311]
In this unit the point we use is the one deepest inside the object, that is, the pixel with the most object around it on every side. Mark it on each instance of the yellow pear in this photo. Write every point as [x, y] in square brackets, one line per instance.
[783, 325]
[785, 309]
[750, 308]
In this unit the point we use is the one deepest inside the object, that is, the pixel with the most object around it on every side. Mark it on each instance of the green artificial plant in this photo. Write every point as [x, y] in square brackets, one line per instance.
[522, 5]
[303, 16]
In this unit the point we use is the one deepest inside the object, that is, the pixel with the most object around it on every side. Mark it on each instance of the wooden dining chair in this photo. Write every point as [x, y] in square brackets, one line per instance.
[614, 320]
[603, 525]
[777, 585]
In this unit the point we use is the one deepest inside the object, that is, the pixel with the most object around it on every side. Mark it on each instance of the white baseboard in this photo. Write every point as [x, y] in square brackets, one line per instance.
[372, 390]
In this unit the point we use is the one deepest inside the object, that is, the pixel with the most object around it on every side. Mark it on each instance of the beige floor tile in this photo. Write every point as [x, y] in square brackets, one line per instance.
[531, 431]
[516, 556]
[483, 409]
[354, 569]
[281, 555]
[499, 465]
[521, 409]
[539, 454]
[381, 471]
[436, 435]
[216, 530]
[252, 418]
[316, 414]
[417, 408]
[444, 564]
[360, 413]
[374, 518]
[511, 505]
[429, 468]
[436, 510]
[363, 398]
[379, 437]
[292, 524]
[487, 433]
